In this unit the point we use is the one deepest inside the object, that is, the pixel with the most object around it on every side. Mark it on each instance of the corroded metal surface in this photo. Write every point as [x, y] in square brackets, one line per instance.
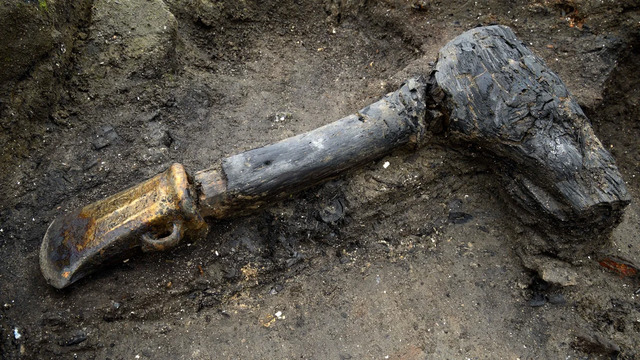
[153, 215]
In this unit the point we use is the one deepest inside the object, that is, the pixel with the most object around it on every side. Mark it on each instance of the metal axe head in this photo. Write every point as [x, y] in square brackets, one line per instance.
[152, 215]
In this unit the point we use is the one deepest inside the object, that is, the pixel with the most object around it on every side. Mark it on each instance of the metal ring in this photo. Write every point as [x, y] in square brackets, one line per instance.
[149, 243]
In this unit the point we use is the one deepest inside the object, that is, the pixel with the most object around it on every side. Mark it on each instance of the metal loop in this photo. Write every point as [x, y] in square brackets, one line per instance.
[149, 243]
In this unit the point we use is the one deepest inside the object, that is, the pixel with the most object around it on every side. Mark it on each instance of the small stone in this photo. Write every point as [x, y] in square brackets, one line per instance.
[455, 205]
[230, 273]
[157, 135]
[332, 212]
[100, 143]
[559, 276]
[90, 163]
[276, 289]
[553, 271]
[557, 299]
[149, 116]
[537, 300]
[104, 137]
[282, 117]
[294, 259]
[154, 155]
[77, 338]
[459, 217]
[108, 132]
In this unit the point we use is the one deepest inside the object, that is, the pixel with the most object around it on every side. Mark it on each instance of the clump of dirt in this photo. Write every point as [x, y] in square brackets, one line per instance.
[415, 255]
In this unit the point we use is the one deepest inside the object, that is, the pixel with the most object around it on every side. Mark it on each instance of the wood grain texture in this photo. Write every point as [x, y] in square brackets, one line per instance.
[503, 99]
[487, 91]
[246, 180]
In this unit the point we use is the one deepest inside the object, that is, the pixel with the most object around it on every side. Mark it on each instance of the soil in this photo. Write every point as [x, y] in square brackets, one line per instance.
[418, 258]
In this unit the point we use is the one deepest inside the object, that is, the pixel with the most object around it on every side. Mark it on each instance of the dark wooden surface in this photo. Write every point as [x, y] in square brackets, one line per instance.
[505, 101]
[245, 181]
[488, 92]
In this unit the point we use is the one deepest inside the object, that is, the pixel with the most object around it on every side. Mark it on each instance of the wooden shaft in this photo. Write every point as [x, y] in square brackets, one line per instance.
[246, 181]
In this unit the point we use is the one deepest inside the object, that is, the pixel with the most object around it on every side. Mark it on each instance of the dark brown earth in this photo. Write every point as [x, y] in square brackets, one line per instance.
[420, 259]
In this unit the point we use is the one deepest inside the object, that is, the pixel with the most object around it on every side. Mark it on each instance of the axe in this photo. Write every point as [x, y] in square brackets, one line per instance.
[487, 90]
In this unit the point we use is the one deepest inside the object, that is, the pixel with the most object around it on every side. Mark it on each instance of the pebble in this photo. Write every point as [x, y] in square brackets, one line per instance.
[559, 274]
[557, 299]
[230, 273]
[455, 205]
[104, 137]
[282, 116]
[90, 163]
[150, 116]
[276, 289]
[76, 339]
[157, 135]
[537, 300]
[332, 212]
[458, 217]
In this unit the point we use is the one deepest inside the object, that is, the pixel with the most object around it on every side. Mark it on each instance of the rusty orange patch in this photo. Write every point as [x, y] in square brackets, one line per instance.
[621, 268]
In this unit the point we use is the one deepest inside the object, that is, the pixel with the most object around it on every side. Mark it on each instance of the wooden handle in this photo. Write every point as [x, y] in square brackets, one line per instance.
[246, 181]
